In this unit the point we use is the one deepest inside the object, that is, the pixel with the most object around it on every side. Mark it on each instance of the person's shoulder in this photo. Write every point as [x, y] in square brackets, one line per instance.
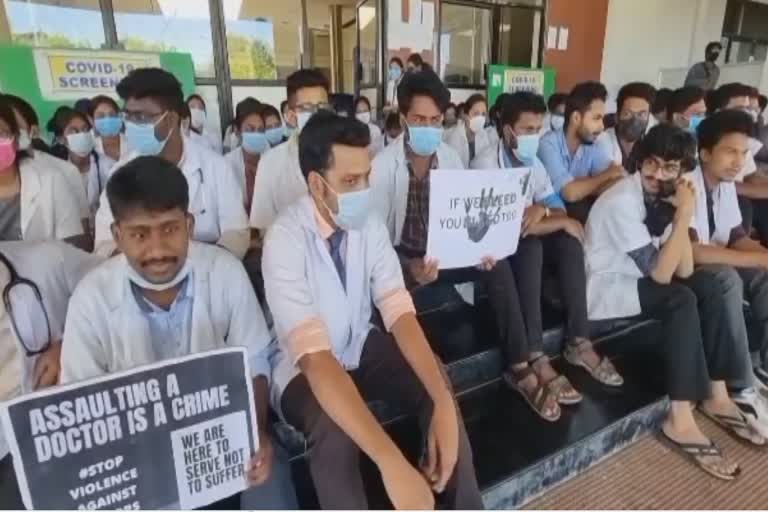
[389, 154]
[234, 156]
[550, 138]
[448, 157]
[212, 259]
[488, 158]
[97, 284]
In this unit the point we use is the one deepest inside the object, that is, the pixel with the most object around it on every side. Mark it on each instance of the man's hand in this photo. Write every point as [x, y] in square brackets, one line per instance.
[684, 200]
[532, 216]
[614, 173]
[574, 228]
[261, 464]
[487, 264]
[443, 444]
[423, 270]
[47, 366]
[407, 489]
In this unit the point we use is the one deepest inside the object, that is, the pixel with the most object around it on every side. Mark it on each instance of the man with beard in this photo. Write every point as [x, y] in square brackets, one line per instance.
[580, 170]
[633, 110]
[640, 260]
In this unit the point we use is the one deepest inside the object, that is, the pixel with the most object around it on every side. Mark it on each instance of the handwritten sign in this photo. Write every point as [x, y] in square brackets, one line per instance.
[170, 435]
[474, 214]
[73, 74]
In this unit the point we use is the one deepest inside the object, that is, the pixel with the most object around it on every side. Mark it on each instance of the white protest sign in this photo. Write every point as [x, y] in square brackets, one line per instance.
[474, 214]
[174, 434]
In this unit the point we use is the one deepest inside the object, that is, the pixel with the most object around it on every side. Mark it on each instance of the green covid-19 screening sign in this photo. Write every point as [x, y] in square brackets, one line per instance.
[50, 77]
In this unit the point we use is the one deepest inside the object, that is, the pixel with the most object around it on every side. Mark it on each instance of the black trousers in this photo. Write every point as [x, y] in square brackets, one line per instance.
[698, 344]
[755, 282]
[579, 210]
[754, 214]
[334, 459]
[10, 497]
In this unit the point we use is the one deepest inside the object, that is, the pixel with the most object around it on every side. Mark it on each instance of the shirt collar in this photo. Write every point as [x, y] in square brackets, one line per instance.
[146, 307]
[324, 229]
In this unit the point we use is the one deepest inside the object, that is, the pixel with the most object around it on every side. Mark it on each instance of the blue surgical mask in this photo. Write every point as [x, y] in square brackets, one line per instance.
[275, 135]
[142, 138]
[395, 72]
[424, 140]
[557, 121]
[353, 208]
[255, 143]
[527, 147]
[694, 123]
[109, 126]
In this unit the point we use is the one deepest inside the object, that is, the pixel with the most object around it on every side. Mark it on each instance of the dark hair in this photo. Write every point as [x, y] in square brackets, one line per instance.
[7, 115]
[24, 109]
[422, 83]
[101, 99]
[321, 132]
[268, 110]
[667, 142]
[392, 121]
[54, 123]
[711, 46]
[555, 100]
[305, 78]
[472, 100]
[415, 59]
[722, 123]
[154, 83]
[640, 90]
[283, 104]
[83, 105]
[66, 117]
[762, 101]
[398, 61]
[185, 112]
[245, 109]
[451, 105]
[683, 98]
[661, 101]
[720, 97]
[150, 183]
[362, 99]
[581, 98]
[198, 98]
[517, 103]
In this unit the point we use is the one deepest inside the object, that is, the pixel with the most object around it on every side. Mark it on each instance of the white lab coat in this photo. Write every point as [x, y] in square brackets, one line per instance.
[390, 180]
[49, 207]
[750, 166]
[302, 285]
[377, 140]
[106, 163]
[456, 137]
[725, 206]
[616, 227]
[213, 191]
[107, 331]
[56, 268]
[279, 183]
[71, 175]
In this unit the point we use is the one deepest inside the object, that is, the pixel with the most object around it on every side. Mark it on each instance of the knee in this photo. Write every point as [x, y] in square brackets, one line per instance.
[530, 248]
[682, 299]
[727, 281]
[568, 247]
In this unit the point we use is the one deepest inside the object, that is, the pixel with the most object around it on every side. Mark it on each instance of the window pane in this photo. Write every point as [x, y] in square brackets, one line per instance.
[465, 44]
[516, 36]
[366, 16]
[63, 24]
[263, 38]
[167, 26]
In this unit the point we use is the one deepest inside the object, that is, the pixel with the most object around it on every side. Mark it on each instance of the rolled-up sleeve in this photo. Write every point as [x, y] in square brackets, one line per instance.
[387, 285]
[300, 329]
[550, 156]
[602, 159]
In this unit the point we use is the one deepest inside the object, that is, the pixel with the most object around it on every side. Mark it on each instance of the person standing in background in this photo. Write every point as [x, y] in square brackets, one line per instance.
[199, 119]
[363, 113]
[705, 74]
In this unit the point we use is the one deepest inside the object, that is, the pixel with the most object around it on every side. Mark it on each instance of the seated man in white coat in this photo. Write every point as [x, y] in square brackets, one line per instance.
[640, 261]
[30, 330]
[633, 115]
[326, 261]
[278, 177]
[167, 297]
[153, 100]
[549, 239]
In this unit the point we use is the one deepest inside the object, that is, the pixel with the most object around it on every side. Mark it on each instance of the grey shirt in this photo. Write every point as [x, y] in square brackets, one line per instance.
[10, 218]
[703, 74]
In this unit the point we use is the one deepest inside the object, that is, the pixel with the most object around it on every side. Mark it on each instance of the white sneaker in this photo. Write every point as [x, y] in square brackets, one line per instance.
[753, 404]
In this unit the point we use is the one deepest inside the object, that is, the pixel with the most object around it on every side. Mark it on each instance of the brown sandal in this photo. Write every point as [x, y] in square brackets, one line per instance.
[560, 385]
[604, 372]
[540, 399]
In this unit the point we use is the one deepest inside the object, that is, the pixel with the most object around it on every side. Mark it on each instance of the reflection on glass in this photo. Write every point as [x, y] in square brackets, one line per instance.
[167, 26]
[62, 24]
[366, 16]
[465, 44]
[263, 38]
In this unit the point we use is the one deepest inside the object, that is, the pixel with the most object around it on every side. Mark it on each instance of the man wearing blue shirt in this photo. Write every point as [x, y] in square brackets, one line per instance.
[580, 170]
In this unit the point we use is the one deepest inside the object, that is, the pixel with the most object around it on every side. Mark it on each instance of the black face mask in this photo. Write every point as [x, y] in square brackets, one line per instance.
[659, 213]
[631, 129]
[712, 56]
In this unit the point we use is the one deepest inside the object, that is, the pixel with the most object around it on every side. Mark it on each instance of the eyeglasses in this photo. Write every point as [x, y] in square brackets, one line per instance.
[634, 115]
[142, 117]
[24, 304]
[313, 108]
[669, 170]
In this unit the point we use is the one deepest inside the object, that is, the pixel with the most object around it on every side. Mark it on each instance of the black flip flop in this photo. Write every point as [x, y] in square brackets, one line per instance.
[732, 425]
[692, 451]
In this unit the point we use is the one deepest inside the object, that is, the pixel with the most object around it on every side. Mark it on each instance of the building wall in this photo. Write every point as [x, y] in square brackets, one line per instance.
[586, 23]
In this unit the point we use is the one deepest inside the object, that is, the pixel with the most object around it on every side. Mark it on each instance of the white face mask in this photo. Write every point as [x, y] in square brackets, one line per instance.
[303, 117]
[198, 118]
[364, 117]
[139, 281]
[25, 141]
[476, 124]
[557, 122]
[80, 143]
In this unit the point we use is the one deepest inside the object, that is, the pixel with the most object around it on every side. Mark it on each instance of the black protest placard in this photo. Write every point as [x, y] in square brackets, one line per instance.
[174, 434]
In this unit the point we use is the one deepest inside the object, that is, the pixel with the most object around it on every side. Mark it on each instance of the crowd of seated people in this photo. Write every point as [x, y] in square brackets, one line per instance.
[147, 242]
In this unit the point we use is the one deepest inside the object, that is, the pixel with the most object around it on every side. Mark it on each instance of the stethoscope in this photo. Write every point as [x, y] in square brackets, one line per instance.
[15, 286]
